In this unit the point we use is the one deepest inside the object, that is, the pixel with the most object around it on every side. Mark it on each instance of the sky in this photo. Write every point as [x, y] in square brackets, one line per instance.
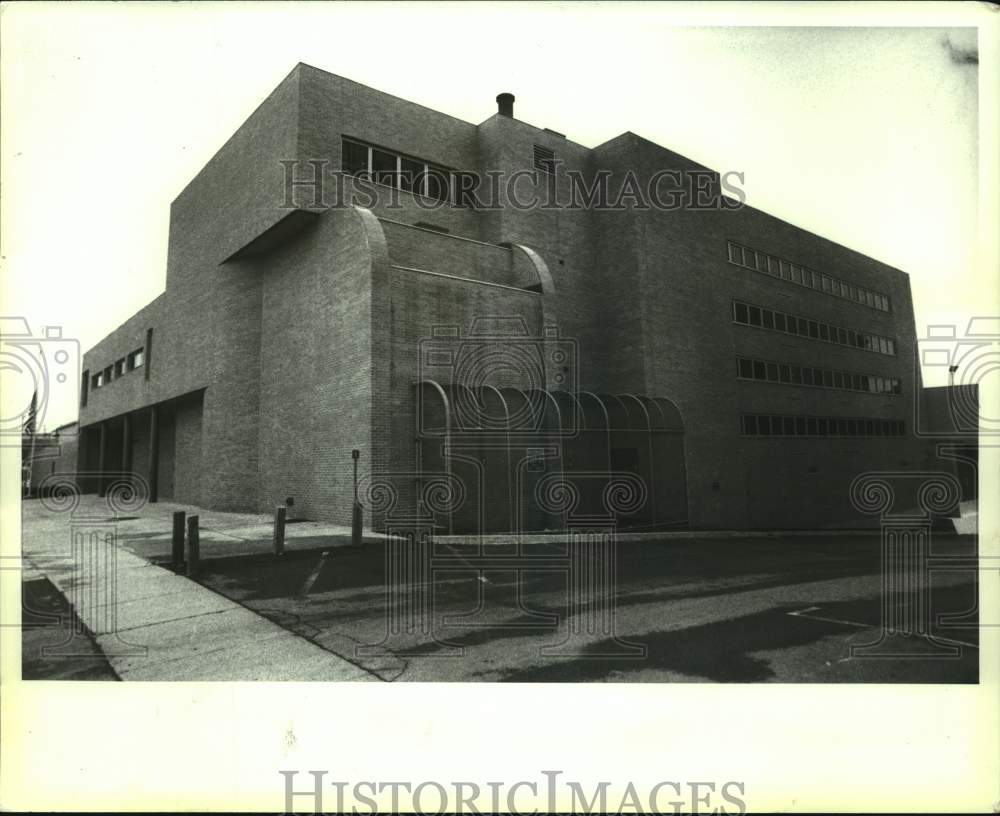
[865, 135]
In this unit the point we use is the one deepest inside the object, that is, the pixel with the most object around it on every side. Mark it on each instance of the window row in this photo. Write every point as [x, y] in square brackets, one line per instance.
[402, 172]
[121, 367]
[770, 425]
[794, 273]
[791, 374]
[750, 315]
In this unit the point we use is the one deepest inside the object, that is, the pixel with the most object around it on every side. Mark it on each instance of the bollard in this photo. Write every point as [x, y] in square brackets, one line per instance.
[356, 519]
[194, 552]
[177, 550]
[279, 529]
[356, 525]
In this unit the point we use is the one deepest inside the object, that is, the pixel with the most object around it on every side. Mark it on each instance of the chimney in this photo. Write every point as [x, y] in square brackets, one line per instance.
[505, 104]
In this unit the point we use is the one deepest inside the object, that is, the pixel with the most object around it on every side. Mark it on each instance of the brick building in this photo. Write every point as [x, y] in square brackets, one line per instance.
[742, 369]
[46, 456]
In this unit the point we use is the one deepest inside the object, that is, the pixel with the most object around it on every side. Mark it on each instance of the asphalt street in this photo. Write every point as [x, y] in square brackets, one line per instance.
[743, 610]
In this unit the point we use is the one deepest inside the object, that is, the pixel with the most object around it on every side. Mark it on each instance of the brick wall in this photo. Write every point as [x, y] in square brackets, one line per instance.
[310, 349]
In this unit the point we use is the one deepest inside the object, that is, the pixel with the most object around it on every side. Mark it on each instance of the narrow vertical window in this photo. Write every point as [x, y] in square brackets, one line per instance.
[147, 356]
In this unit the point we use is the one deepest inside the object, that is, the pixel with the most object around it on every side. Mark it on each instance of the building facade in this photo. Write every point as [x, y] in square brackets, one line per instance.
[48, 457]
[734, 370]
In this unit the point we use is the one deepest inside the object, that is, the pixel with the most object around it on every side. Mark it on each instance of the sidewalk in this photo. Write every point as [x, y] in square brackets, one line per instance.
[155, 625]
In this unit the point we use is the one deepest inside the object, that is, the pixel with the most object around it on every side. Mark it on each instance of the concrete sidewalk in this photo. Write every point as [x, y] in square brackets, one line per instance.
[155, 625]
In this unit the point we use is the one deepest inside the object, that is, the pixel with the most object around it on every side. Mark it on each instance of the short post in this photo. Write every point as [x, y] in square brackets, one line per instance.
[194, 548]
[177, 550]
[279, 529]
[356, 520]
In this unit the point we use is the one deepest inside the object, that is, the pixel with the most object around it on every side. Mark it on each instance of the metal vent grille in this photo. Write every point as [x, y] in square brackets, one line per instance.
[544, 159]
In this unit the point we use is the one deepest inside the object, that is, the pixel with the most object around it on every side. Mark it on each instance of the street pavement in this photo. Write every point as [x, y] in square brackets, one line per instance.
[149, 623]
[699, 608]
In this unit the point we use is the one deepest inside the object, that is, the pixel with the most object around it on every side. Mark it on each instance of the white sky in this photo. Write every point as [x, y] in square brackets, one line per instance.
[867, 136]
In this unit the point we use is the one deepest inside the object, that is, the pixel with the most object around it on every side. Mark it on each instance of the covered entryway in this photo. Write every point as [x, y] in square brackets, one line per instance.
[528, 459]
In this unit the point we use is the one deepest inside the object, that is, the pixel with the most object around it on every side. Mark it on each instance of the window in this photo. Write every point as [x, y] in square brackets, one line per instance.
[355, 158]
[97, 380]
[108, 374]
[758, 316]
[411, 175]
[404, 173]
[784, 374]
[772, 372]
[779, 267]
[383, 167]
[438, 184]
[135, 359]
[746, 369]
[759, 370]
[119, 368]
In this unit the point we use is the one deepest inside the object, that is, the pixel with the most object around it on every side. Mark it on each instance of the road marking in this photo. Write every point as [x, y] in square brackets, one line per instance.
[802, 614]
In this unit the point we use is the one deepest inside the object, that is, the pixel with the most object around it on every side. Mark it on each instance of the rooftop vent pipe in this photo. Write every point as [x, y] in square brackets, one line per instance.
[505, 104]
